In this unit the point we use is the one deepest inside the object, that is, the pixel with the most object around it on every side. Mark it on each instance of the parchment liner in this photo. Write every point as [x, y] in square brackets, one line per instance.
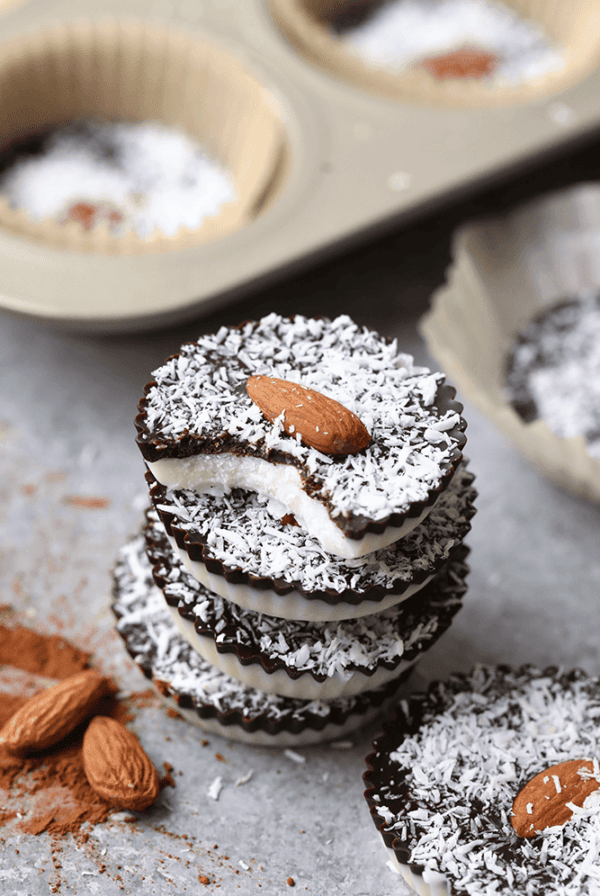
[133, 71]
[575, 28]
[505, 272]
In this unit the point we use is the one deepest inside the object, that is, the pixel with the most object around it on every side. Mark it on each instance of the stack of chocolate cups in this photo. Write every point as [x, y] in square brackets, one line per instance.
[304, 544]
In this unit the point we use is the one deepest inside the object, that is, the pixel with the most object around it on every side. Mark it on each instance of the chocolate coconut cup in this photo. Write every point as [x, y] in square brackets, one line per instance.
[199, 428]
[205, 695]
[447, 768]
[237, 549]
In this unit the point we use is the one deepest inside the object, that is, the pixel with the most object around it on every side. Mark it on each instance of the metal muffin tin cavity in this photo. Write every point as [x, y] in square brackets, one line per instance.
[350, 159]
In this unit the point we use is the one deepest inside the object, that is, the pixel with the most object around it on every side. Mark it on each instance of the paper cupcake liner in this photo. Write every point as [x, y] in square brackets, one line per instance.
[137, 71]
[208, 696]
[233, 640]
[575, 29]
[6, 5]
[505, 272]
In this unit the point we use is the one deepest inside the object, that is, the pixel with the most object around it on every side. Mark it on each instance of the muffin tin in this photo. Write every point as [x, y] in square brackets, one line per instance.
[337, 157]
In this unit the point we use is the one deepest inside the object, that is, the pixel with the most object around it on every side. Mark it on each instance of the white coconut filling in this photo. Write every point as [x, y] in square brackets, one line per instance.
[198, 403]
[282, 483]
[279, 682]
[430, 883]
[292, 605]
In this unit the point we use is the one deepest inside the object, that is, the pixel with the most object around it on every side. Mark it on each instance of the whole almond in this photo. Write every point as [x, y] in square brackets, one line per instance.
[52, 714]
[117, 767]
[321, 422]
[542, 803]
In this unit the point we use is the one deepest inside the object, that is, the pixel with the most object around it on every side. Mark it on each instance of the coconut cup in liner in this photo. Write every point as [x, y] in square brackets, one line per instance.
[132, 71]
[505, 272]
[448, 765]
[574, 29]
[282, 571]
[307, 661]
[208, 697]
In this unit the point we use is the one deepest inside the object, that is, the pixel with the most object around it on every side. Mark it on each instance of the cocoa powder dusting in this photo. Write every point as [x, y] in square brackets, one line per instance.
[5, 817]
[167, 779]
[47, 655]
[148, 697]
[49, 789]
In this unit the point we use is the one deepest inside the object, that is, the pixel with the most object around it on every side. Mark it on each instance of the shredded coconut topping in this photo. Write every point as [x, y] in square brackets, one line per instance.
[446, 780]
[240, 531]
[154, 643]
[553, 370]
[320, 648]
[198, 404]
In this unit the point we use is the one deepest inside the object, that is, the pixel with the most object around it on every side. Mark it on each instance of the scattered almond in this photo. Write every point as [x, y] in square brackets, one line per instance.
[51, 715]
[466, 62]
[117, 767]
[542, 803]
[321, 422]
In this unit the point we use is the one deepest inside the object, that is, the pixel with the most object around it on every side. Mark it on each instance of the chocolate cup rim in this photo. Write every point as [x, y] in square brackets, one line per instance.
[237, 576]
[262, 722]
[248, 656]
